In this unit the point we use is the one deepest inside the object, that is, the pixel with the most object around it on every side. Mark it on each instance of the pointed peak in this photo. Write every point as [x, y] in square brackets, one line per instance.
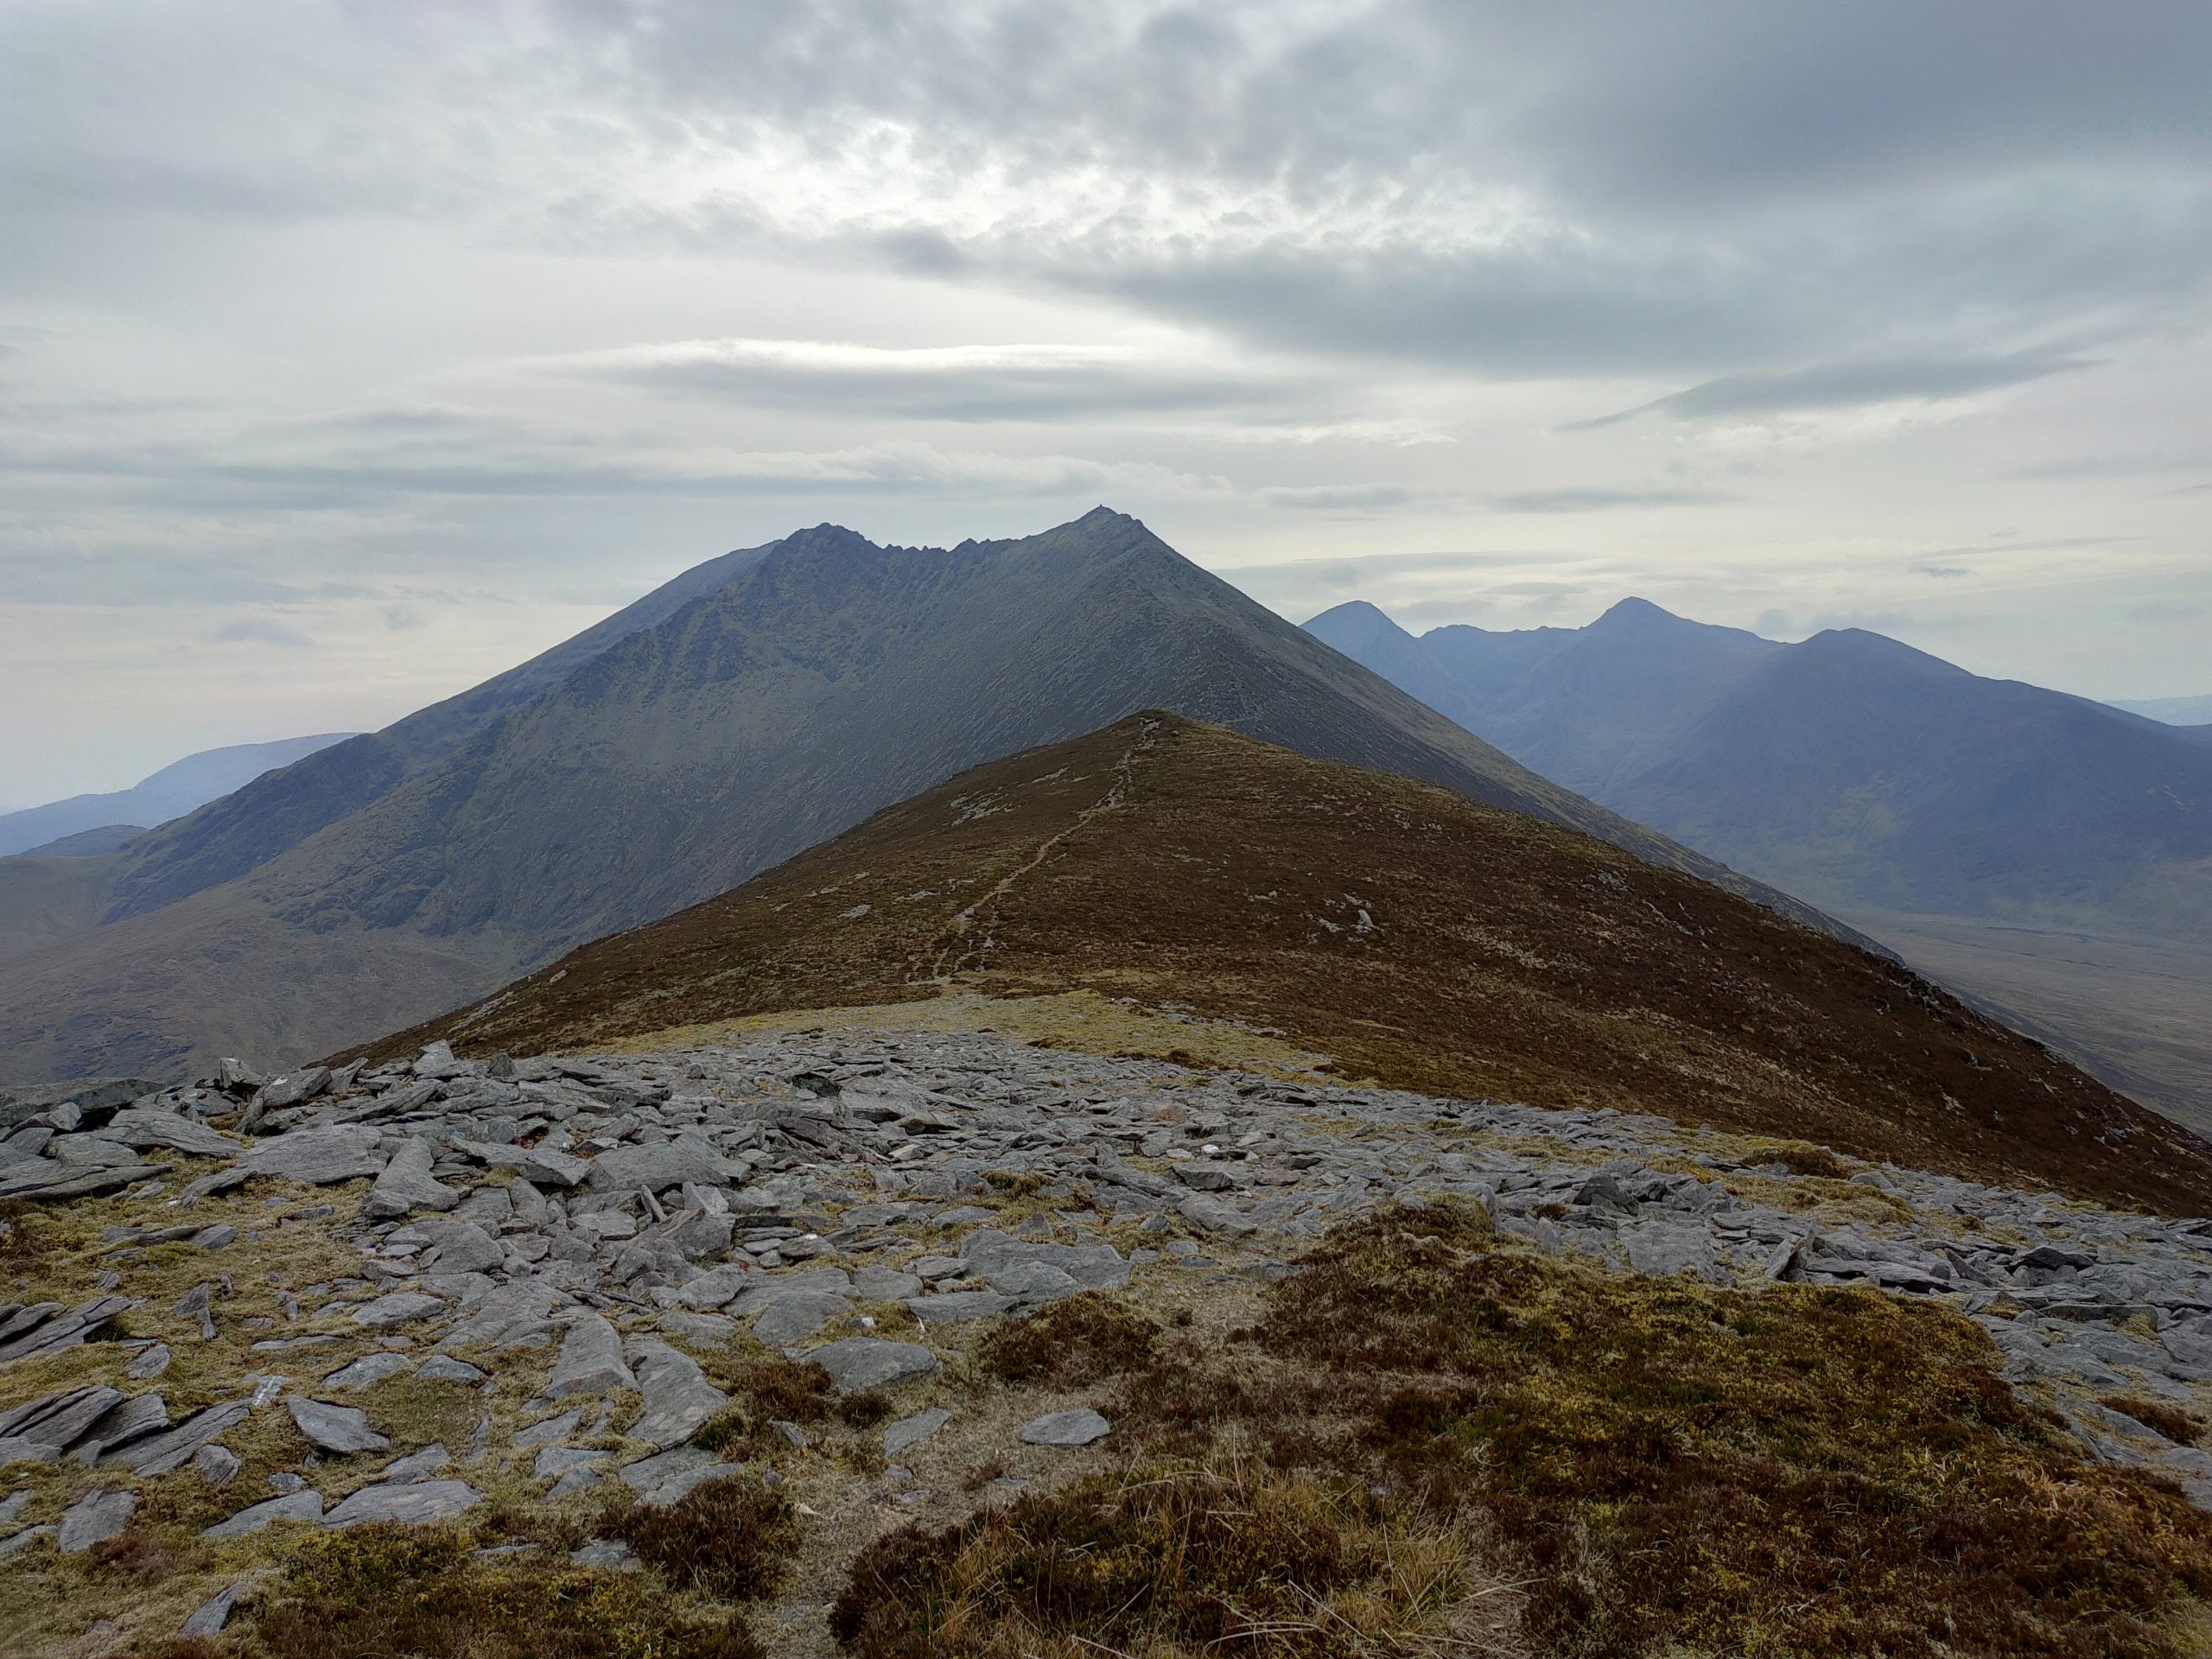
[1633, 612]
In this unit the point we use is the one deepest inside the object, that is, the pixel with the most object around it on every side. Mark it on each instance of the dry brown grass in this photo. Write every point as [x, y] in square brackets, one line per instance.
[1666, 1468]
[393, 1592]
[2178, 1423]
[1070, 1344]
[732, 1538]
[1229, 1557]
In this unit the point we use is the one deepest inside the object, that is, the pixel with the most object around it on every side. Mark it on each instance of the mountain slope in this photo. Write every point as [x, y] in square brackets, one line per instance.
[1870, 778]
[805, 687]
[174, 791]
[1432, 941]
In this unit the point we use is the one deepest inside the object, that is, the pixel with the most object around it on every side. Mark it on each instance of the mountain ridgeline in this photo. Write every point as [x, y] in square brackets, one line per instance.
[1404, 930]
[1883, 785]
[749, 709]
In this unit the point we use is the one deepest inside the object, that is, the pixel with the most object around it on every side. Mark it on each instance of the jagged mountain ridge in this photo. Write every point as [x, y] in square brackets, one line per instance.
[1405, 930]
[773, 702]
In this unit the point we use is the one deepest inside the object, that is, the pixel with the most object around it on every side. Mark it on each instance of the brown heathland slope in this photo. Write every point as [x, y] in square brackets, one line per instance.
[1415, 934]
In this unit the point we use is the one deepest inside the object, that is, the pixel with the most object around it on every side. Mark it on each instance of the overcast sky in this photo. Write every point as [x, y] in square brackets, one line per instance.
[351, 352]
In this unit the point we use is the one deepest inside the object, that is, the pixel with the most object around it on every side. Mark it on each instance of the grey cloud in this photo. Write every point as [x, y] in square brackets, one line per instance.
[1941, 571]
[1349, 497]
[1602, 501]
[971, 384]
[262, 631]
[1847, 385]
[2168, 610]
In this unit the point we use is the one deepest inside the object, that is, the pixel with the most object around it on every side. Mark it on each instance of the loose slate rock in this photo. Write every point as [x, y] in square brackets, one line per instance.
[369, 1368]
[209, 1617]
[341, 1429]
[1066, 1428]
[401, 1307]
[801, 1314]
[406, 1184]
[304, 1505]
[415, 1504]
[909, 1431]
[319, 1157]
[93, 1519]
[679, 1397]
[859, 1363]
[590, 1360]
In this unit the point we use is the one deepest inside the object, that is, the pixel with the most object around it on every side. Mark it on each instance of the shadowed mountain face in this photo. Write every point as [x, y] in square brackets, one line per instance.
[774, 700]
[171, 792]
[1866, 776]
[1405, 930]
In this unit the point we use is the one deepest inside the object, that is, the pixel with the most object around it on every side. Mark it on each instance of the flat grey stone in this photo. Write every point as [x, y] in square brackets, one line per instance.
[510, 1316]
[23, 1540]
[1204, 1176]
[462, 1247]
[303, 1505]
[444, 1368]
[413, 1505]
[590, 1360]
[658, 1167]
[718, 1287]
[341, 1429]
[217, 1464]
[400, 1307]
[859, 1363]
[649, 1474]
[208, 1618]
[149, 1363]
[800, 1314]
[415, 1464]
[1033, 1281]
[1070, 1429]
[679, 1397]
[11, 1506]
[550, 1430]
[368, 1370]
[133, 1419]
[58, 1419]
[539, 1166]
[405, 1184]
[766, 1290]
[1203, 1209]
[93, 1519]
[910, 1432]
[319, 1157]
[135, 1126]
[955, 1305]
[702, 1329]
[554, 1461]
[158, 1454]
[884, 1285]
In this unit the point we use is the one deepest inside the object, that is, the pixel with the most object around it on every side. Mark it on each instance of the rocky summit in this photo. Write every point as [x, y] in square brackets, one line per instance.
[778, 1343]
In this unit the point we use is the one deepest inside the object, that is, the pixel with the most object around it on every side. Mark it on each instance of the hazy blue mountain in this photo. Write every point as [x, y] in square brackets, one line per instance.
[170, 793]
[793, 691]
[1865, 776]
[2171, 711]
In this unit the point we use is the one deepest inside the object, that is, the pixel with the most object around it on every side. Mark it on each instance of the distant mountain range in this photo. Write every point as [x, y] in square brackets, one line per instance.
[1985, 823]
[110, 819]
[1411, 934]
[750, 709]
[2174, 711]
